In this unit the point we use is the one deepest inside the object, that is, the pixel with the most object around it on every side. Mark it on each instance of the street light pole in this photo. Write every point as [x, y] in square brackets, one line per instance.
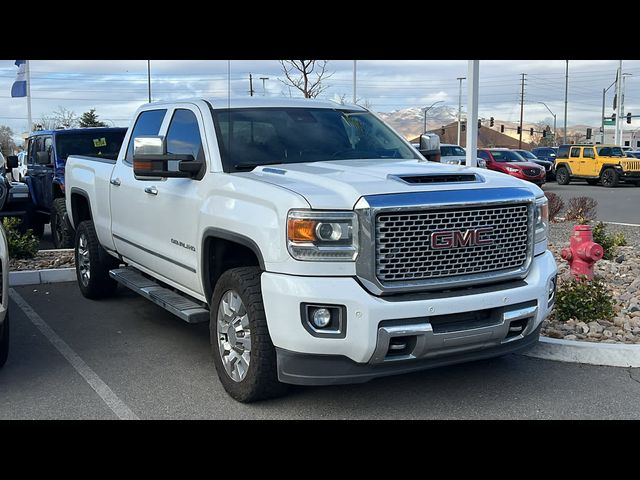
[566, 91]
[460, 106]
[264, 91]
[554, 122]
[604, 91]
[424, 130]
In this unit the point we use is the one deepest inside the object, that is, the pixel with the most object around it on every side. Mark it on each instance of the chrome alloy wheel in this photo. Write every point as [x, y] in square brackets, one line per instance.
[84, 262]
[234, 335]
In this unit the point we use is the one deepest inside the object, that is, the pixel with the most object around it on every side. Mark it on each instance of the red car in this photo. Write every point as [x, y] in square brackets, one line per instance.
[512, 163]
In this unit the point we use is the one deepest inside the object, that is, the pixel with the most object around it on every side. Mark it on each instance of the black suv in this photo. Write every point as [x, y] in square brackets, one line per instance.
[545, 153]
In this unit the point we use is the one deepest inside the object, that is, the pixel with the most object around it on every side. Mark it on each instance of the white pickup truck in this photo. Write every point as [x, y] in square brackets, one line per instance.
[320, 246]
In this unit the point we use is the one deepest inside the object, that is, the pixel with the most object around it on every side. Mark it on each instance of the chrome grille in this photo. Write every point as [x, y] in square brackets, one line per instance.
[403, 251]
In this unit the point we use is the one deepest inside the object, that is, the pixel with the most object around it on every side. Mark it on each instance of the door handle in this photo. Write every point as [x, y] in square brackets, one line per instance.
[115, 181]
[151, 190]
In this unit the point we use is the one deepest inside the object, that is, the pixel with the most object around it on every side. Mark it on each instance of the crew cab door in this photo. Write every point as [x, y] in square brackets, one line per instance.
[576, 162]
[163, 235]
[591, 166]
[41, 174]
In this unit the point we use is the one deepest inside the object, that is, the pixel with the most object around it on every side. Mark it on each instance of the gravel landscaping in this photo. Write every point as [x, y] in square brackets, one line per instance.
[622, 275]
[44, 260]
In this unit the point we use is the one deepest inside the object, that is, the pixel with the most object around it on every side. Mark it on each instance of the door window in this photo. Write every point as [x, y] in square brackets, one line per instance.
[183, 136]
[148, 123]
[575, 152]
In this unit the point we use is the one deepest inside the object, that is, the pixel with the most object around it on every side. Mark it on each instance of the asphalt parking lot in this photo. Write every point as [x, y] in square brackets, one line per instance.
[126, 357]
[618, 204]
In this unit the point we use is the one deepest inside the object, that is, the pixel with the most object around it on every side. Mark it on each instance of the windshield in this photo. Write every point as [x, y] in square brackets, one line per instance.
[90, 144]
[506, 156]
[527, 155]
[610, 152]
[251, 137]
[455, 151]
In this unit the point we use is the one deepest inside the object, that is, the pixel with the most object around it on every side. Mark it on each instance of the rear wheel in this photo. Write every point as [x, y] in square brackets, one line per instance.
[243, 353]
[4, 341]
[60, 228]
[593, 181]
[609, 178]
[93, 264]
[562, 176]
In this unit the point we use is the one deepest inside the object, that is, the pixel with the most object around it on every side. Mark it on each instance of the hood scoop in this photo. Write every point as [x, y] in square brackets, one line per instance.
[437, 178]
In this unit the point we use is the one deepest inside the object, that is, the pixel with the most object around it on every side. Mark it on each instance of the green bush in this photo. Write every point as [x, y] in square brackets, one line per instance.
[608, 241]
[584, 300]
[21, 245]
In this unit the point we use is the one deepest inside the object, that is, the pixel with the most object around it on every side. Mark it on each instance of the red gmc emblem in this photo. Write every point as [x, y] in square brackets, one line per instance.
[461, 238]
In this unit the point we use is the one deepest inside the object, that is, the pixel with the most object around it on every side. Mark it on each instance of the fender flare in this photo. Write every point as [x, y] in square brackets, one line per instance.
[564, 164]
[73, 215]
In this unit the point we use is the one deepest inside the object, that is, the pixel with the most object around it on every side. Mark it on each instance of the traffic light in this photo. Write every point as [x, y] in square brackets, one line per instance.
[463, 127]
[442, 130]
[491, 122]
[479, 124]
[629, 117]
[588, 134]
[531, 131]
[613, 117]
[501, 128]
[519, 129]
[544, 134]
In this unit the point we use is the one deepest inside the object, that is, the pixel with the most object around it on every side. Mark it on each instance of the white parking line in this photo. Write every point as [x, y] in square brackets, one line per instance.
[116, 405]
[625, 224]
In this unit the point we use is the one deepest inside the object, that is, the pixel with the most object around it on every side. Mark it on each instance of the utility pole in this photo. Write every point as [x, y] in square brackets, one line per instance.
[149, 79]
[27, 69]
[264, 91]
[554, 122]
[250, 85]
[354, 82]
[473, 74]
[624, 81]
[460, 106]
[566, 90]
[604, 92]
[618, 96]
[521, 111]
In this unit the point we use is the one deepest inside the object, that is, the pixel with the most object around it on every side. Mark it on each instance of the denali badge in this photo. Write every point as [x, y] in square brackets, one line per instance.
[461, 238]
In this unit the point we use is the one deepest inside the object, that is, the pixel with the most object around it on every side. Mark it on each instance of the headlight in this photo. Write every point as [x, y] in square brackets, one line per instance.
[541, 219]
[512, 170]
[322, 236]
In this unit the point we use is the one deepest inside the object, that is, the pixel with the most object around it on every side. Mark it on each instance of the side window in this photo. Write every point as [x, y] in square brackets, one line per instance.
[484, 155]
[183, 136]
[148, 123]
[563, 152]
[575, 152]
[46, 147]
[31, 155]
[588, 153]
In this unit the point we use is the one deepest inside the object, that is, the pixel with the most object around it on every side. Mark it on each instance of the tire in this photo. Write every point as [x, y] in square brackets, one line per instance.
[60, 228]
[259, 380]
[609, 178]
[593, 181]
[562, 176]
[92, 258]
[36, 223]
[4, 341]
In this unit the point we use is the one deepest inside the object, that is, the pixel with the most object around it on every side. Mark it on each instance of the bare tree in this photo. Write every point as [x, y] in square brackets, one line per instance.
[342, 100]
[306, 75]
[60, 118]
[7, 144]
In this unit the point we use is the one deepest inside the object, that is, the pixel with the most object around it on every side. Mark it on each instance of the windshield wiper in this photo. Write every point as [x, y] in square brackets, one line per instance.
[245, 167]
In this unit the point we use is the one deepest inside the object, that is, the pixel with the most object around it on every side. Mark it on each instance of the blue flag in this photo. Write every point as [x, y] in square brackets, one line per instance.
[19, 87]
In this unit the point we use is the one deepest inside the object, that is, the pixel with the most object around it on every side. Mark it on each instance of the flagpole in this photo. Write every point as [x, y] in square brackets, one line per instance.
[28, 72]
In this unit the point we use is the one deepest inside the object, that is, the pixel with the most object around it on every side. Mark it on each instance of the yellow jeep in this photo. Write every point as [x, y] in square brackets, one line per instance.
[606, 164]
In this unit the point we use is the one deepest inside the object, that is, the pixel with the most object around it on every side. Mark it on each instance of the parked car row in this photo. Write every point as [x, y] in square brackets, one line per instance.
[32, 185]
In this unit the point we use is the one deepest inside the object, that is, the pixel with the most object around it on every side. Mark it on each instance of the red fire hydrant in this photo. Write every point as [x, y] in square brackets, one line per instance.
[583, 252]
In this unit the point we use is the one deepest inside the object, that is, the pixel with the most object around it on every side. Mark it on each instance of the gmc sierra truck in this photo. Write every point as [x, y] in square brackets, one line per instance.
[318, 244]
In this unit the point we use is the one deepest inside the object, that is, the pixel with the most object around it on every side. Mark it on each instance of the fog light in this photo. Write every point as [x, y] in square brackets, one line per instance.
[321, 317]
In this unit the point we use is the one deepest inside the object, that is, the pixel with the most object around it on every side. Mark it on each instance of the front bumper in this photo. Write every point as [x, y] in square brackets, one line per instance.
[372, 320]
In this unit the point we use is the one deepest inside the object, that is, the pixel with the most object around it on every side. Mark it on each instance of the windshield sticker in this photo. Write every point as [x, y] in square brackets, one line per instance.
[99, 142]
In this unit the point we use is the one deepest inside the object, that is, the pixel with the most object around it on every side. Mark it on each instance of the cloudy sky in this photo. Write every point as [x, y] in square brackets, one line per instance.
[115, 88]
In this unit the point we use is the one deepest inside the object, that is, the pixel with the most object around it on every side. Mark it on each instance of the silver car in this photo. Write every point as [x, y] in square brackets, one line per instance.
[456, 155]
[4, 297]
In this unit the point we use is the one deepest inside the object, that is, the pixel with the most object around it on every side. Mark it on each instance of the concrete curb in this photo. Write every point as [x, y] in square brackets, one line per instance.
[591, 353]
[36, 277]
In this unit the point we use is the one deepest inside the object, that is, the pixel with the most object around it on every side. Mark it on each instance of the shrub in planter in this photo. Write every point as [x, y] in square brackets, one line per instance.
[582, 209]
[21, 245]
[608, 241]
[585, 300]
[556, 204]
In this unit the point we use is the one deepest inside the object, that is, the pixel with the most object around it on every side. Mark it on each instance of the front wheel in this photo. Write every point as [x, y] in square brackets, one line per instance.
[60, 228]
[93, 264]
[562, 176]
[4, 341]
[243, 353]
[609, 178]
